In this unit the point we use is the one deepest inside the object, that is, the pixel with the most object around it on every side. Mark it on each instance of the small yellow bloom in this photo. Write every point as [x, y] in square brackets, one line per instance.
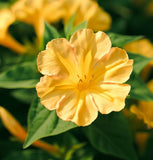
[89, 10]
[145, 48]
[53, 11]
[144, 110]
[35, 11]
[149, 8]
[12, 124]
[14, 127]
[6, 19]
[83, 76]
[141, 139]
[142, 46]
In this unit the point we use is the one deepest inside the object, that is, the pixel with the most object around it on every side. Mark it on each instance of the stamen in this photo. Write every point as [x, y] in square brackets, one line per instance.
[78, 76]
[80, 80]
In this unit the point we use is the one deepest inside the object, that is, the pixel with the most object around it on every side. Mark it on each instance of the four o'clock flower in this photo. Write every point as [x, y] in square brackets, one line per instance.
[144, 109]
[6, 19]
[88, 10]
[83, 76]
[34, 12]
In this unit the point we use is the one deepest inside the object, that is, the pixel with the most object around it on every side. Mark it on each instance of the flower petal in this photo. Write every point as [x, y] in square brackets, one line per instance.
[99, 19]
[114, 57]
[103, 44]
[48, 64]
[79, 109]
[120, 73]
[55, 7]
[111, 97]
[6, 19]
[57, 58]
[82, 39]
[144, 111]
[38, 25]
[98, 43]
[51, 91]
[114, 67]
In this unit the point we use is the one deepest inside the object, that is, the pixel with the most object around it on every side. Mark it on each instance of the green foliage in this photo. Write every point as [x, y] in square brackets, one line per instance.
[23, 95]
[44, 123]
[80, 26]
[139, 62]
[29, 155]
[119, 40]
[148, 154]
[4, 5]
[7, 58]
[49, 34]
[69, 28]
[8, 146]
[110, 134]
[23, 75]
[139, 89]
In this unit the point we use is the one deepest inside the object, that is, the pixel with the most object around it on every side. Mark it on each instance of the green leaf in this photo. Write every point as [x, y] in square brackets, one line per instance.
[6, 145]
[29, 155]
[69, 28]
[110, 134]
[7, 58]
[49, 34]
[22, 75]
[83, 155]
[80, 26]
[139, 89]
[44, 123]
[148, 154]
[119, 40]
[139, 61]
[23, 95]
[4, 5]
[73, 149]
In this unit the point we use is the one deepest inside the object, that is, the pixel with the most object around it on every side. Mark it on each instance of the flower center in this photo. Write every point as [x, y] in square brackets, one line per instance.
[84, 82]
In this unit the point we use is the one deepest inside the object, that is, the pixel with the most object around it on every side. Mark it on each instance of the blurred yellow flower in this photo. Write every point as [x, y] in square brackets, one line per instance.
[149, 8]
[35, 11]
[142, 46]
[6, 19]
[141, 139]
[83, 76]
[89, 10]
[145, 48]
[144, 110]
[19, 132]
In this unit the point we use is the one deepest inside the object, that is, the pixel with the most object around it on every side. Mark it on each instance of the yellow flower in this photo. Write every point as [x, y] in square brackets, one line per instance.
[35, 11]
[53, 11]
[83, 76]
[142, 46]
[141, 139]
[144, 110]
[14, 127]
[89, 10]
[149, 8]
[145, 48]
[6, 19]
